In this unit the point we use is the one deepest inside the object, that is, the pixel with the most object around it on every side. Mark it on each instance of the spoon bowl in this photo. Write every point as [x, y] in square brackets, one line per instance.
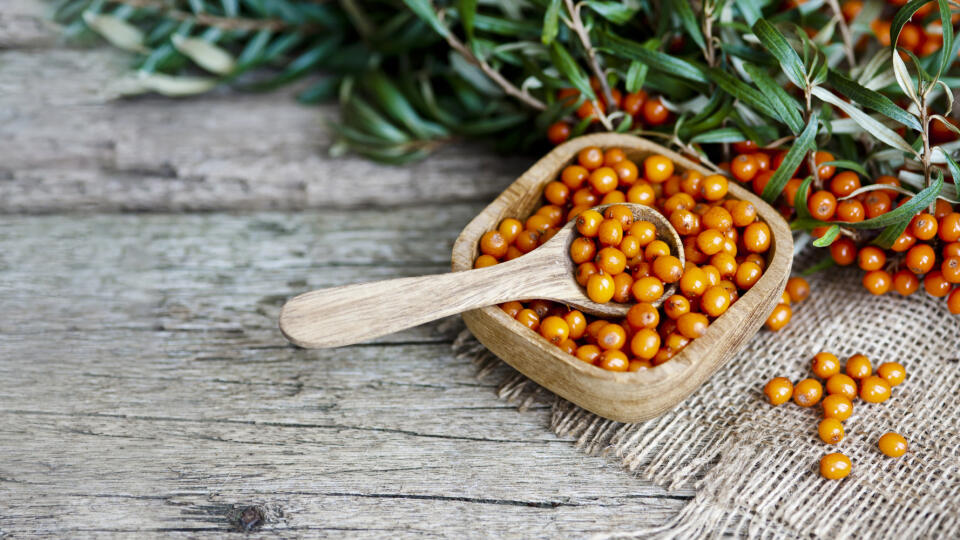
[626, 397]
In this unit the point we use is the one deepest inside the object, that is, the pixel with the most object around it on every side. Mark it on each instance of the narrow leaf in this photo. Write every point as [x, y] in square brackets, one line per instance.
[750, 10]
[903, 77]
[722, 135]
[890, 234]
[828, 237]
[849, 165]
[872, 100]
[784, 104]
[551, 22]
[424, 10]
[636, 75]
[947, 46]
[689, 22]
[905, 211]
[901, 18]
[955, 173]
[206, 55]
[800, 199]
[174, 86]
[660, 61]
[803, 144]
[780, 48]
[615, 12]
[117, 31]
[868, 123]
[742, 91]
[570, 69]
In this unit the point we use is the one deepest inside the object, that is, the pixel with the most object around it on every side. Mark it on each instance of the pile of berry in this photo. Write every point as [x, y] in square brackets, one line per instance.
[645, 110]
[622, 260]
[842, 389]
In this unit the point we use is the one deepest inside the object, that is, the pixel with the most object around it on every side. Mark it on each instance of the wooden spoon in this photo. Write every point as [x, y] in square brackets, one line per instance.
[353, 313]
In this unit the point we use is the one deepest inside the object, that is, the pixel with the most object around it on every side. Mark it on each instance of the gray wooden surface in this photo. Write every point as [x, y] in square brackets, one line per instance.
[145, 248]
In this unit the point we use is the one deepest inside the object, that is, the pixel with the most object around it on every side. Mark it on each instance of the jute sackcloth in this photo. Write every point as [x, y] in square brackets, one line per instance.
[755, 467]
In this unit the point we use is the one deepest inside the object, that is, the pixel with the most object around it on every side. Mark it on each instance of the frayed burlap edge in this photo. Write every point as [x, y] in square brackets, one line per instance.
[754, 466]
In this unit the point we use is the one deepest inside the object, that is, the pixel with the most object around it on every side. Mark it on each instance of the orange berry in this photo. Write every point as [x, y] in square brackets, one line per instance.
[859, 367]
[905, 282]
[573, 176]
[798, 289]
[645, 344]
[557, 193]
[654, 112]
[554, 329]
[632, 103]
[905, 241]
[835, 466]
[877, 203]
[844, 183]
[529, 318]
[613, 360]
[692, 325]
[837, 406]
[822, 205]
[715, 301]
[657, 168]
[824, 171]
[622, 284]
[494, 244]
[621, 213]
[874, 389]
[643, 315]
[558, 132]
[657, 248]
[582, 250]
[779, 317]
[871, 258]
[778, 391]
[878, 282]
[644, 231]
[744, 167]
[953, 301]
[641, 193]
[600, 288]
[590, 157]
[668, 268]
[693, 282]
[825, 365]
[807, 393]
[842, 384]
[639, 365]
[577, 323]
[714, 187]
[647, 289]
[892, 372]
[743, 213]
[676, 306]
[843, 251]
[604, 180]
[588, 353]
[748, 274]
[756, 237]
[591, 109]
[611, 260]
[935, 284]
[949, 228]
[484, 261]
[892, 444]
[830, 430]
[610, 232]
[850, 211]
[512, 308]
[611, 336]
[924, 226]
[950, 269]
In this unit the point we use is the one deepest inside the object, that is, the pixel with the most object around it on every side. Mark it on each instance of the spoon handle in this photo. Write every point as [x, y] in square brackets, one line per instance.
[353, 313]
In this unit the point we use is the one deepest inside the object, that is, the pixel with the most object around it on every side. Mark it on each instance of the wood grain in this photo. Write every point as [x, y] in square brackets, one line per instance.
[626, 397]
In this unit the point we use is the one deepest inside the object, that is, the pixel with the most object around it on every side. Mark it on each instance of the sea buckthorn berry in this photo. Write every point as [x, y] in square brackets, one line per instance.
[785, 297]
[657, 248]
[613, 360]
[613, 197]
[484, 261]
[610, 232]
[824, 171]
[588, 353]
[951, 250]
[837, 406]
[633, 103]
[936, 285]
[593, 329]
[647, 289]
[675, 341]
[949, 228]
[920, 259]
[527, 241]
[822, 205]
[843, 385]
[672, 186]
[747, 275]
[905, 241]
[744, 167]
[760, 181]
[582, 250]
[611, 260]
[924, 226]
[641, 193]
[743, 213]
[715, 301]
[778, 390]
[621, 213]
[859, 367]
[877, 203]
[718, 218]
[591, 110]
[877, 282]
[627, 172]
[512, 308]
[538, 223]
[510, 228]
[676, 306]
[798, 289]
[588, 223]
[725, 264]
[600, 288]
[555, 329]
[830, 430]
[644, 231]
[590, 157]
[871, 258]
[692, 325]
[807, 393]
[584, 272]
[654, 112]
[892, 444]
[756, 237]
[710, 241]
[668, 268]
[613, 156]
[529, 318]
[657, 168]
[622, 286]
[553, 213]
[585, 197]
[892, 372]
[905, 282]
[611, 336]
[890, 181]
[678, 201]
[941, 208]
[690, 183]
[844, 183]
[953, 301]
[790, 191]
[573, 176]
[685, 222]
[835, 466]
[645, 344]
[541, 307]
[494, 244]
[779, 317]
[850, 211]
[557, 193]
[639, 365]
[630, 246]
[694, 282]
[569, 346]
[604, 180]
[763, 160]
[825, 365]
[558, 132]
[874, 389]
[577, 323]
[843, 251]
[950, 269]
[643, 315]
[714, 187]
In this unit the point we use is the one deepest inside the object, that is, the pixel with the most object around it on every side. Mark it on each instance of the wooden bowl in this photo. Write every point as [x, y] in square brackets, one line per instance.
[625, 397]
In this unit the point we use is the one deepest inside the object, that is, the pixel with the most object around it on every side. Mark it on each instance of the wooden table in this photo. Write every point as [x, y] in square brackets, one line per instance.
[146, 246]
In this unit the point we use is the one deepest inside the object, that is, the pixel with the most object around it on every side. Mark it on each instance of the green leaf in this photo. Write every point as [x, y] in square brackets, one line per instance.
[800, 199]
[468, 11]
[636, 75]
[872, 100]
[396, 105]
[849, 165]
[615, 12]
[118, 32]
[905, 211]
[945, 49]
[205, 54]
[828, 237]
[868, 123]
[784, 104]
[803, 144]
[551, 23]
[780, 48]
[570, 69]
[689, 22]
[901, 18]
[750, 10]
[955, 173]
[722, 135]
[890, 234]
[367, 118]
[657, 60]
[424, 10]
[742, 91]
[323, 90]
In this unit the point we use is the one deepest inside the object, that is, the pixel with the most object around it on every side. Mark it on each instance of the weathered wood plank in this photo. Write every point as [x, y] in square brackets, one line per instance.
[147, 391]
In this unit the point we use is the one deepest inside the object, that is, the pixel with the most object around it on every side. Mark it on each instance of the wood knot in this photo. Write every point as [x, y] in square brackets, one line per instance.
[250, 518]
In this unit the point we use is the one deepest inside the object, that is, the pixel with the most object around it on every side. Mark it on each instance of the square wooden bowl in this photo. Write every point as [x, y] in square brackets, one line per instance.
[625, 397]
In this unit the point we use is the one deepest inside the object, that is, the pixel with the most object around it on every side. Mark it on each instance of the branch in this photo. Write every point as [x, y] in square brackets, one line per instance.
[844, 32]
[581, 30]
[226, 23]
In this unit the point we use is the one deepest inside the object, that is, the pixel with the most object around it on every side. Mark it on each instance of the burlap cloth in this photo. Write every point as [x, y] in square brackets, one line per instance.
[755, 467]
